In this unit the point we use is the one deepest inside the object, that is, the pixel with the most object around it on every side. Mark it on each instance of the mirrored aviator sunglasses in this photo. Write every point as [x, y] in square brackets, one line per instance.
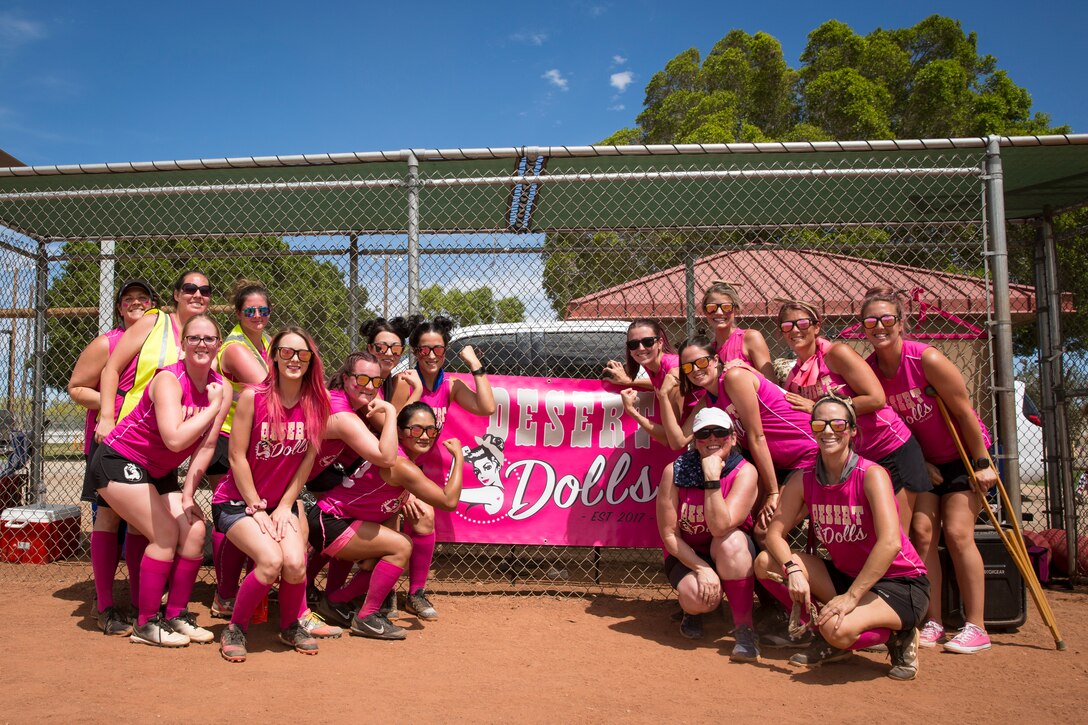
[838, 425]
[887, 321]
[702, 363]
[262, 311]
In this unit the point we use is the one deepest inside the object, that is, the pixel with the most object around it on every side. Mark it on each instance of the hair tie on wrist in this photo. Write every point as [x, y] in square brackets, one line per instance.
[261, 505]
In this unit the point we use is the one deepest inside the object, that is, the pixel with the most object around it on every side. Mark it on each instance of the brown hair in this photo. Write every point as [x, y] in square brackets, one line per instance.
[244, 288]
[629, 363]
[721, 287]
[883, 294]
[788, 304]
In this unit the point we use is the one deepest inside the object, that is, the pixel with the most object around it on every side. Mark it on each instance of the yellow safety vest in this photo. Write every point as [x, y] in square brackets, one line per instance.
[159, 350]
[237, 337]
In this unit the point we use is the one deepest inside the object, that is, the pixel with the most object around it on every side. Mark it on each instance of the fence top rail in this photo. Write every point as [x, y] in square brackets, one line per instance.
[438, 155]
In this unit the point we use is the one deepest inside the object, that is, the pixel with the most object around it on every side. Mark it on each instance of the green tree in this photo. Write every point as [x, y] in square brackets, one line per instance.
[473, 307]
[304, 291]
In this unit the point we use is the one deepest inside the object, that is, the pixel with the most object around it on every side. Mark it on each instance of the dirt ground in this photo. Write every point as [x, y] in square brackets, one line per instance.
[513, 659]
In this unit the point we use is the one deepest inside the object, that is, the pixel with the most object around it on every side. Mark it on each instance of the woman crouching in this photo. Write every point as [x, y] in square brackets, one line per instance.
[874, 589]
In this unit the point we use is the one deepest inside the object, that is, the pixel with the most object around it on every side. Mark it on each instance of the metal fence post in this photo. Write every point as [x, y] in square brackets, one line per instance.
[106, 264]
[353, 291]
[37, 413]
[1047, 382]
[413, 233]
[689, 294]
[1003, 370]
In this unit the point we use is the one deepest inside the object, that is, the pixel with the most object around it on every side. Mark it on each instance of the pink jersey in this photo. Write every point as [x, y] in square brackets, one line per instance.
[137, 437]
[439, 398]
[691, 519]
[733, 347]
[333, 449]
[669, 361]
[273, 460]
[364, 495]
[907, 395]
[879, 433]
[786, 431]
[91, 422]
[844, 523]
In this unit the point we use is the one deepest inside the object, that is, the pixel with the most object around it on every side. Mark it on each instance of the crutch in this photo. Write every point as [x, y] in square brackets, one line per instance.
[1013, 540]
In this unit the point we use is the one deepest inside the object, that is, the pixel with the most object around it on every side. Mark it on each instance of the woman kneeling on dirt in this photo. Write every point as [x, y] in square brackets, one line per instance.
[703, 514]
[874, 589]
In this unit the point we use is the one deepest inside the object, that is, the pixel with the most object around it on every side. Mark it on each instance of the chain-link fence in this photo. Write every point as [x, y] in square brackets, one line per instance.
[519, 245]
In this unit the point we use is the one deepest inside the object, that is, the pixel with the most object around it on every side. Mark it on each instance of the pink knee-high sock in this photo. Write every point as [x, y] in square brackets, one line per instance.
[382, 582]
[871, 638]
[739, 592]
[292, 602]
[780, 592]
[419, 565]
[217, 546]
[229, 571]
[104, 556]
[314, 564]
[338, 574]
[250, 594]
[135, 544]
[357, 587]
[182, 578]
[153, 577]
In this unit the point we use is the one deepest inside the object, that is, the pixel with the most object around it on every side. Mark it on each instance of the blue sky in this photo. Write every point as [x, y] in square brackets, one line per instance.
[108, 81]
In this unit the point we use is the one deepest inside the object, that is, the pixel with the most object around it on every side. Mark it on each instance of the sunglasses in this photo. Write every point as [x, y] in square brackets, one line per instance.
[802, 324]
[702, 363]
[206, 340]
[425, 350]
[418, 431]
[646, 342]
[703, 434]
[191, 289]
[286, 353]
[367, 381]
[386, 348]
[886, 320]
[262, 311]
[838, 425]
[724, 307]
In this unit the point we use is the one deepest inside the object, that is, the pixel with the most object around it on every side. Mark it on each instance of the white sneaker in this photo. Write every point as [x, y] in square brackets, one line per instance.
[158, 633]
[185, 623]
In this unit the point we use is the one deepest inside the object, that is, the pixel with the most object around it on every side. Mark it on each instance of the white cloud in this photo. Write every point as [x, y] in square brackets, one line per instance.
[536, 38]
[15, 30]
[556, 78]
[621, 80]
[617, 107]
[618, 60]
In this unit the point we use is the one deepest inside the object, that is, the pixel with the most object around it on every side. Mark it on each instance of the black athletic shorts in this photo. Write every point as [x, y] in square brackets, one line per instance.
[675, 570]
[325, 528]
[109, 465]
[220, 463]
[228, 513]
[907, 467]
[90, 493]
[956, 478]
[908, 596]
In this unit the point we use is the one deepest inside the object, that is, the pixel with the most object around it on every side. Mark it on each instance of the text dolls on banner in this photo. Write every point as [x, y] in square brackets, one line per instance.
[557, 463]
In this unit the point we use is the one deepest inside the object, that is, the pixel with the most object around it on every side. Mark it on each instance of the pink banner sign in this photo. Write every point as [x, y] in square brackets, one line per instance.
[558, 463]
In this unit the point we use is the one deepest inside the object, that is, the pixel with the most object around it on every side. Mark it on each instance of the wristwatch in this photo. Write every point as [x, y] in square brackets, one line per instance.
[980, 464]
[479, 371]
[709, 484]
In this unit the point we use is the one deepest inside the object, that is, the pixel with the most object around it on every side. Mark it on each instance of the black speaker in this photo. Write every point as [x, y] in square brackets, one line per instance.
[1006, 596]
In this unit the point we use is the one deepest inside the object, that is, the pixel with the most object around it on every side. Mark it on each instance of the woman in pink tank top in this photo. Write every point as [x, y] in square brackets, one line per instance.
[133, 297]
[720, 304]
[277, 432]
[874, 589]
[429, 340]
[767, 426]
[177, 416]
[704, 505]
[386, 340]
[907, 370]
[647, 348]
[824, 368]
[347, 522]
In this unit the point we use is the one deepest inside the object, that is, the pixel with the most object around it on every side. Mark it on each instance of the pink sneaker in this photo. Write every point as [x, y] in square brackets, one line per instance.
[932, 633]
[970, 639]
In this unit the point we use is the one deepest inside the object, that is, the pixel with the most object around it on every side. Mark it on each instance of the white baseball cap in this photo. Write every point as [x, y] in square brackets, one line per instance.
[712, 418]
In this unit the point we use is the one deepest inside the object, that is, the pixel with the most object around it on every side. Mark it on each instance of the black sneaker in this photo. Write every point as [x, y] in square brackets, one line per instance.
[336, 613]
[297, 637]
[903, 650]
[819, 653]
[232, 643]
[781, 639]
[419, 605]
[113, 622]
[376, 626]
[746, 649]
[691, 626]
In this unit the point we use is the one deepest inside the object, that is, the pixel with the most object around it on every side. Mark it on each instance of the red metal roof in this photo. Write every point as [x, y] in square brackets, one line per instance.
[834, 283]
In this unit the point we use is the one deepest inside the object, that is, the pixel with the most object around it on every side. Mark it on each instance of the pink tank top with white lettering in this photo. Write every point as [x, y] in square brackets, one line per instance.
[272, 460]
[785, 430]
[880, 432]
[733, 347]
[364, 495]
[138, 438]
[669, 361]
[333, 449]
[691, 520]
[844, 524]
[906, 393]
